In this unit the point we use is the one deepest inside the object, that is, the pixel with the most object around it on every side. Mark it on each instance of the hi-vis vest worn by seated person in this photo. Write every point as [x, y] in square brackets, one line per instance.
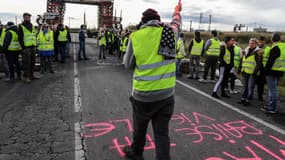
[279, 64]
[29, 37]
[197, 48]
[152, 71]
[45, 41]
[62, 36]
[14, 44]
[248, 64]
[2, 36]
[214, 49]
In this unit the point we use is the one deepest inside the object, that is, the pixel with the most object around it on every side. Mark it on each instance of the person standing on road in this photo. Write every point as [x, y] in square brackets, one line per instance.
[153, 81]
[12, 49]
[27, 39]
[102, 44]
[82, 43]
[62, 38]
[226, 64]
[249, 67]
[260, 79]
[196, 50]
[274, 70]
[180, 53]
[212, 48]
[46, 48]
[3, 60]
[234, 70]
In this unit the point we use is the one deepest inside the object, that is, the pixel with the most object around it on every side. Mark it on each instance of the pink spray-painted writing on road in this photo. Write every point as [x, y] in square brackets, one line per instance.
[197, 128]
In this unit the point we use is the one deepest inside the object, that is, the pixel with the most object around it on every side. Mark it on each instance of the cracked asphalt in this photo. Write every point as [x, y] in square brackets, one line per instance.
[85, 114]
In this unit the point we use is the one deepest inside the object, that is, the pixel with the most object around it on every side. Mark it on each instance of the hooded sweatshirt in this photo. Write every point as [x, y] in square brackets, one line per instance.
[8, 39]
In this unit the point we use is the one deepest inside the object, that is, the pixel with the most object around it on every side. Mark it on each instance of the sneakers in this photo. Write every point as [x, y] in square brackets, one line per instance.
[225, 95]
[190, 77]
[130, 153]
[197, 78]
[202, 80]
[27, 80]
[214, 94]
[234, 92]
[266, 110]
[212, 81]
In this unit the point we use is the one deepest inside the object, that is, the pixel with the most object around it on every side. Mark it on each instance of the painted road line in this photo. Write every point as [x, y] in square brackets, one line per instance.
[250, 116]
[77, 92]
[79, 150]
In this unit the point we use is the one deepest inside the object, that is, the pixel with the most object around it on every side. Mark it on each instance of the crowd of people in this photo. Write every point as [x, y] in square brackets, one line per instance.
[256, 65]
[21, 45]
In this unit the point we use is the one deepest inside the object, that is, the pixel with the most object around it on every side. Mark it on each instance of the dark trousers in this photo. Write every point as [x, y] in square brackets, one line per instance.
[102, 52]
[159, 113]
[46, 64]
[232, 80]
[62, 51]
[260, 82]
[82, 49]
[211, 62]
[29, 59]
[55, 52]
[13, 60]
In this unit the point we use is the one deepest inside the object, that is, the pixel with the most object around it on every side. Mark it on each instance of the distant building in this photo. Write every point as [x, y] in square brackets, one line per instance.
[260, 29]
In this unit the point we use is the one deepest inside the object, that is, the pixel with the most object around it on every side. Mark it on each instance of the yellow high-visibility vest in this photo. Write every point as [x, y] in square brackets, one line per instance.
[237, 56]
[197, 48]
[62, 36]
[2, 36]
[214, 49]
[102, 41]
[248, 64]
[265, 55]
[227, 56]
[45, 41]
[279, 64]
[179, 54]
[153, 72]
[29, 36]
[14, 44]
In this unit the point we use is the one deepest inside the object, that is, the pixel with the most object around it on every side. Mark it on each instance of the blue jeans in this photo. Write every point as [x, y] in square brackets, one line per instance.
[82, 48]
[248, 84]
[67, 49]
[178, 64]
[62, 51]
[272, 82]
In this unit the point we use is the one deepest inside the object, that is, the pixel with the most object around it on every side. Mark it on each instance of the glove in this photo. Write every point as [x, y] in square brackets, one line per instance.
[178, 7]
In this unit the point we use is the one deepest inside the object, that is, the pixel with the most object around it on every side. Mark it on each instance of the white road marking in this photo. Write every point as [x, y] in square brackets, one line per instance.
[250, 116]
[79, 142]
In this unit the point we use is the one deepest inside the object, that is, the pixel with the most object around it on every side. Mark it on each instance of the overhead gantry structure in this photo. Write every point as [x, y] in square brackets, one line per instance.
[105, 10]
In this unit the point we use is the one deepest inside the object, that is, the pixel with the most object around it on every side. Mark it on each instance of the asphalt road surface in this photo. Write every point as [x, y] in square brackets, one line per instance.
[82, 112]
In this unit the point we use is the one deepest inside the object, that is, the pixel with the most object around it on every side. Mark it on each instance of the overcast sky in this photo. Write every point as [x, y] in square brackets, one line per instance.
[225, 13]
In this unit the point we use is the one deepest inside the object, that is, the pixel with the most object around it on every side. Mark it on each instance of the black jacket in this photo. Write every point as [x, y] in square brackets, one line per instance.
[29, 26]
[81, 36]
[8, 39]
[273, 55]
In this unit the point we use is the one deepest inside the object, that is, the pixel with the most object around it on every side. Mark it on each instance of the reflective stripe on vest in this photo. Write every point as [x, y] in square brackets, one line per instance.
[2, 36]
[197, 48]
[248, 64]
[265, 55]
[227, 56]
[279, 64]
[214, 49]
[152, 71]
[237, 56]
[62, 36]
[45, 41]
[14, 44]
[179, 54]
[29, 37]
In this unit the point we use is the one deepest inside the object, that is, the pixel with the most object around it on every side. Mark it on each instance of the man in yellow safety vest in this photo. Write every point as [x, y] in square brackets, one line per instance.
[180, 53]
[151, 51]
[3, 60]
[249, 67]
[27, 39]
[274, 70]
